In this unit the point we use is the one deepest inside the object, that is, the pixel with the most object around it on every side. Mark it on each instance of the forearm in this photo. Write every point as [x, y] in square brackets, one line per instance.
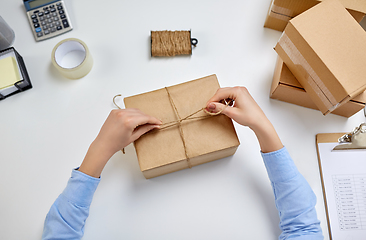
[266, 134]
[294, 197]
[296, 202]
[67, 216]
[96, 158]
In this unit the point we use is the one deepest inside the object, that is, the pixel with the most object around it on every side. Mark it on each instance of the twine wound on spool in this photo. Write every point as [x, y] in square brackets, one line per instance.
[171, 43]
[228, 102]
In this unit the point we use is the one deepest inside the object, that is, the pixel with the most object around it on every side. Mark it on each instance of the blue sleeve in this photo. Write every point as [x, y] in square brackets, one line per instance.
[294, 198]
[67, 216]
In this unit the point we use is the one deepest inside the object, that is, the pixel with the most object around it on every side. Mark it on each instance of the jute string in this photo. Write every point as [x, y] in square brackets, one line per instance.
[170, 43]
[178, 122]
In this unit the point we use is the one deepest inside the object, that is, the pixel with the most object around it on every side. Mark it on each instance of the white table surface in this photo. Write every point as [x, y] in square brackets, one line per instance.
[45, 132]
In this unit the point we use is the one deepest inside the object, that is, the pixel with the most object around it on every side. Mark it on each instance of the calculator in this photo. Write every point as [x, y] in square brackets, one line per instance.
[48, 18]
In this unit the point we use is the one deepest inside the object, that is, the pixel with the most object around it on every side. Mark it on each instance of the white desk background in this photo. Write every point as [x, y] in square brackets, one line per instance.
[46, 131]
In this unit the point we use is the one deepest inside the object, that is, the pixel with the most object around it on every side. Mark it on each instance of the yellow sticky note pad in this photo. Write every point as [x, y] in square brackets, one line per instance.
[9, 73]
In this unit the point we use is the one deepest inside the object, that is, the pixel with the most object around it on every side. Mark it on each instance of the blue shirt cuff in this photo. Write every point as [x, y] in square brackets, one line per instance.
[80, 188]
[280, 166]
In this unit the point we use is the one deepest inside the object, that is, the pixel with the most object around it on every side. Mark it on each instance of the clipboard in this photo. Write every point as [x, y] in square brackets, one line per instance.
[343, 177]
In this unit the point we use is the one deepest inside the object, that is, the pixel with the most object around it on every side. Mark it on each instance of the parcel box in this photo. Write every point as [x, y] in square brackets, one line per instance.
[182, 143]
[325, 50]
[281, 11]
[285, 87]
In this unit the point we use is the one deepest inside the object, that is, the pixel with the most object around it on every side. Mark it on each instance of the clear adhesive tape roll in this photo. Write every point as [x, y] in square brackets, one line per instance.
[72, 58]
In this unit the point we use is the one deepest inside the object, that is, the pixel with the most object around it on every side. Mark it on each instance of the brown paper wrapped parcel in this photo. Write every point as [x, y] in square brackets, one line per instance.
[199, 139]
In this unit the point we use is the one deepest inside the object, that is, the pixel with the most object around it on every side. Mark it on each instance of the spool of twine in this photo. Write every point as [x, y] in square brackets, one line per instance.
[170, 43]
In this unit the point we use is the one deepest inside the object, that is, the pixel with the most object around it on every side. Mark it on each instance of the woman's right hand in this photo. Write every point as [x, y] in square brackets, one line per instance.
[246, 112]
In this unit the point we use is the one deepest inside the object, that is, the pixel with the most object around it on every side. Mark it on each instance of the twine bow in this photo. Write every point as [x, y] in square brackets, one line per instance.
[228, 102]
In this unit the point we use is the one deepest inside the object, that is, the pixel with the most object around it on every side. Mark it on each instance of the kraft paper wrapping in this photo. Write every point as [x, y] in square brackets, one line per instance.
[162, 151]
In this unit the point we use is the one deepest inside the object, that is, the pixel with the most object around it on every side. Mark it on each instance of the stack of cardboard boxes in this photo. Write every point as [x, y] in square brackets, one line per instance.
[322, 55]
[282, 11]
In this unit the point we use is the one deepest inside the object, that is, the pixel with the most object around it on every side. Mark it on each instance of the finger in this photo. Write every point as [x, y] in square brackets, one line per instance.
[223, 93]
[136, 118]
[139, 131]
[215, 107]
[231, 112]
[141, 119]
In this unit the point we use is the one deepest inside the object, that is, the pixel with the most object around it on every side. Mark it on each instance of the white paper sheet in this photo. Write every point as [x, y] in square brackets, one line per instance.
[344, 176]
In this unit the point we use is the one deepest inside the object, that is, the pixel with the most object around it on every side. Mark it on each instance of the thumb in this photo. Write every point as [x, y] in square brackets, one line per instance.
[215, 107]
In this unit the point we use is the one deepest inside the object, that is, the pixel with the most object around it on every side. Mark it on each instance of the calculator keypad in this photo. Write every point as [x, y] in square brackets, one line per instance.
[49, 21]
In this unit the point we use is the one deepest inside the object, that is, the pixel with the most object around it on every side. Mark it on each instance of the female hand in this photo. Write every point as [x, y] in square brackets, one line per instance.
[124, 126]
[246, 112]
[121, 128]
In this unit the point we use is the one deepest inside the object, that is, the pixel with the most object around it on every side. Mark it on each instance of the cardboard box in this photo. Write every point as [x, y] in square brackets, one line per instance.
[325, 50]
[192, 142]
[285, 87]
[281, 11]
